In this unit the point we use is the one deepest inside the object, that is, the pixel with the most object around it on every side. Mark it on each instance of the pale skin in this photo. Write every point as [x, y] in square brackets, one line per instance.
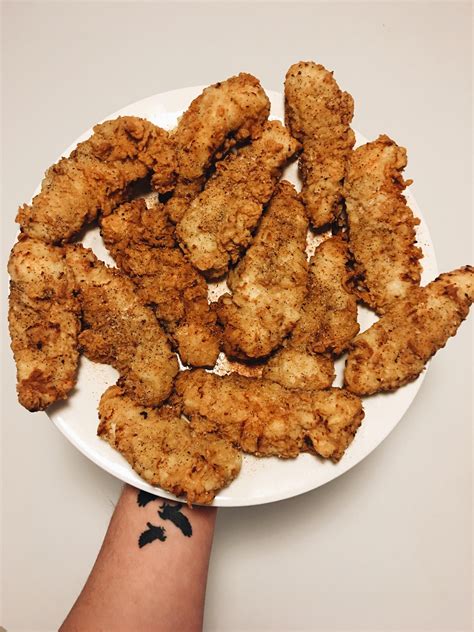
[158, 587]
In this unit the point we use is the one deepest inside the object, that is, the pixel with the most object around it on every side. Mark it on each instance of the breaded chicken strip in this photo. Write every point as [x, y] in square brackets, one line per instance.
[120, 330]
[328, 323]
[44, 323]
[269, 284]
[219, 222]
[164, 451]
[95, 177]
[329, 320]
[396, 348]
[225, 113]
[319, 114]
[142, 243]
[381, 225]
[263, 418]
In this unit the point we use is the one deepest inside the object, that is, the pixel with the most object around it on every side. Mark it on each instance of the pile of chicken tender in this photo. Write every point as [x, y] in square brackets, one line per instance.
[216, 210]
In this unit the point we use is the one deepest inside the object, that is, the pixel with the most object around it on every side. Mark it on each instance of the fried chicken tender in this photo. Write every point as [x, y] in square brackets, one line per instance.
[265, 419]
[161, 447]
[219, 222]
[120, 330]
[225, 113]
[142, 243]
[269, 284]
[96, 176]
[329, 320]
[319, 114]
[381, 225]
[328, 323]
[44, 323]
[395, 349]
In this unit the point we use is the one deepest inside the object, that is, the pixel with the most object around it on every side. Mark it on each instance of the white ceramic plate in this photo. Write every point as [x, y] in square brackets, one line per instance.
[261, 480]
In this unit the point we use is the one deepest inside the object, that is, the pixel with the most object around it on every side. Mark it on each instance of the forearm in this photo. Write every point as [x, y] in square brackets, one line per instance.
[150, 582]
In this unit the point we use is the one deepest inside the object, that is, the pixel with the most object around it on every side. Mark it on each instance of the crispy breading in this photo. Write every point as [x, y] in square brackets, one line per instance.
[381, 224]
[96, 175]
[44, 323]
[396, 348]
[299, 368]
[319, 114]
[120, 330]
[218, 224]
[265, 419]
[72, 193]
[136, 147]
[183, 194]
[329, 319]
[328, 323]
[269, 284]
[225, 113]
[161, 447]
[142, 243]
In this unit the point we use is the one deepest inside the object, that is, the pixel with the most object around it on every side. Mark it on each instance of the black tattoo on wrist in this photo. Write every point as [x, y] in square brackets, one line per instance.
[144, 498]
[151, 534]
[171, 512]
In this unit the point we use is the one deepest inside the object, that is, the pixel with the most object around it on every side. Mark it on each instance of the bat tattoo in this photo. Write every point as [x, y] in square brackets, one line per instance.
[151, 534]
[173, 513]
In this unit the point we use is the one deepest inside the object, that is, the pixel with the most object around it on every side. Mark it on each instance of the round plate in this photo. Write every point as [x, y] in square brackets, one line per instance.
[261, 480]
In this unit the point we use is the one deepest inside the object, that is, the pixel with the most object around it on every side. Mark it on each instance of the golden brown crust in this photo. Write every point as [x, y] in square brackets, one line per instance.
[265, 419]
[381, 224]
[269, 284]
[217, 226]
[136, 147]
[183, 194]
[319, 114]
[44, 323]
[395, 349]
[120, 330]
[143, 244]
[164, 451]
[329, 319]
[236, 107]
[299, 368]
[328, 323]
[95, 177]
[226, 112]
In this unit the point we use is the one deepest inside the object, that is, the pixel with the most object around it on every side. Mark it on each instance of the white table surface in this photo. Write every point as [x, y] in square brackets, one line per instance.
[386, 546]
